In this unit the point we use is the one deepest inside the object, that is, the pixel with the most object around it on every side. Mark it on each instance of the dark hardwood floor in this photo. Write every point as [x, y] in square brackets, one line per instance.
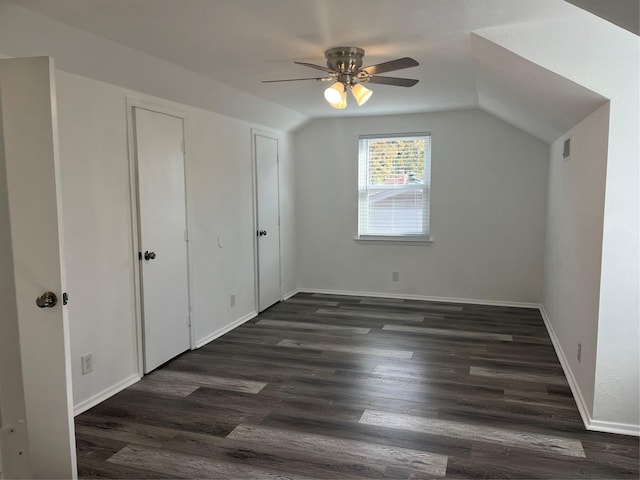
[325, 386]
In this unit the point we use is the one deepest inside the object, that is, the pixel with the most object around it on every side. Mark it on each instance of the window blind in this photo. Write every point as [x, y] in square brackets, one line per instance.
[393, 185]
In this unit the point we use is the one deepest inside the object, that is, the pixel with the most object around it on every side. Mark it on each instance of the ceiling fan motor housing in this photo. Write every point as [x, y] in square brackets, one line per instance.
[346, 61]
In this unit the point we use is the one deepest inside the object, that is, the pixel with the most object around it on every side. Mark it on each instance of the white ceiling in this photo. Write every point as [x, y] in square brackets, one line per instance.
[242, 42]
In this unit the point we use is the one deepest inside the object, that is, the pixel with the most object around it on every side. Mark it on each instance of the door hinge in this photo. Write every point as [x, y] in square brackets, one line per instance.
[182, 147]
[186, 235]
[188, 320]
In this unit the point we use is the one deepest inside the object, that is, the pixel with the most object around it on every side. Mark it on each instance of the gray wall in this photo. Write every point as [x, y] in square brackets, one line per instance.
[573, 246]
[487, 210]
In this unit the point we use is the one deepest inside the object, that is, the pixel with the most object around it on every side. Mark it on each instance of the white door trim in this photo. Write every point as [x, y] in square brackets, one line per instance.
[254, 172]
[135, 102]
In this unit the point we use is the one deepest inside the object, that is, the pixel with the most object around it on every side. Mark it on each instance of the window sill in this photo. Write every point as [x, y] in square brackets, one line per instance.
[394, 240]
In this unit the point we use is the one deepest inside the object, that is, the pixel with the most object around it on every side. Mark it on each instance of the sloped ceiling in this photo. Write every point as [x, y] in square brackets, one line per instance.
[242, 42]
[526, 95]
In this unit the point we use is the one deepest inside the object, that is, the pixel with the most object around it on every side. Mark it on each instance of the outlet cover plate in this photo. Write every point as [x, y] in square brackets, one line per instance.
[87, 363]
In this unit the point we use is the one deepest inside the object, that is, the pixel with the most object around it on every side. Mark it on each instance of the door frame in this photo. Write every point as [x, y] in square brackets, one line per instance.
[254, 174]
[131, 103]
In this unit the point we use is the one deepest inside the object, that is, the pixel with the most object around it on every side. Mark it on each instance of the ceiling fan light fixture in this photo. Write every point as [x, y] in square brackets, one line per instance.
[342, 103]
[361, 93]
[334, 93]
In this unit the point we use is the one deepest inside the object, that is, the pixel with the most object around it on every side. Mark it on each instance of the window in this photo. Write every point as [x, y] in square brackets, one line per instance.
[393, 184]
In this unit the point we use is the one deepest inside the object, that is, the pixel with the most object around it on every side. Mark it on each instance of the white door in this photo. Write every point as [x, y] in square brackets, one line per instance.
[30, 217]
[268, 216]
[162, 236]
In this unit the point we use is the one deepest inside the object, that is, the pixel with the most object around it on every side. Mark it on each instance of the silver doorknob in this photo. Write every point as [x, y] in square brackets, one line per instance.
[47, 300]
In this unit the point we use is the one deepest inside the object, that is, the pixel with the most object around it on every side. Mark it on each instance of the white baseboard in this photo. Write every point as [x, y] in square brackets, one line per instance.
[287, 296]
[104, 394]
[127, 382]
[227, 328]
[614, 427]
[573, 384]
[477, 301]
[589, 422]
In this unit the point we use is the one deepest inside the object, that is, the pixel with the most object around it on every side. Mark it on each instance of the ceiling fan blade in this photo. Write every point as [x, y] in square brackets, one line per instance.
[397, 64]
[322, 79]
[398, 82]
[317, 67]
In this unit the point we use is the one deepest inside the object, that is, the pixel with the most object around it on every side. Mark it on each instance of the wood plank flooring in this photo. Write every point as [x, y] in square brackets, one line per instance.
[324, 386]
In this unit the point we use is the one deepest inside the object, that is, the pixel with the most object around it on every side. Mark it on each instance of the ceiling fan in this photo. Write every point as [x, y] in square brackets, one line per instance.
[344, 68]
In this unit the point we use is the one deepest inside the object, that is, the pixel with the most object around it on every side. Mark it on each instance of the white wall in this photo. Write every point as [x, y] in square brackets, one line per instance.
[288, 209]
[221, 208]
[606, 59]
[487, 210]
[573, 246]
[98, 232]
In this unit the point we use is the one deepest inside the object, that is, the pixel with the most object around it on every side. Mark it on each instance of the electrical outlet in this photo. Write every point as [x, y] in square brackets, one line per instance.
[87, 363]
[232, 300]
[579, 355]
[395, 276]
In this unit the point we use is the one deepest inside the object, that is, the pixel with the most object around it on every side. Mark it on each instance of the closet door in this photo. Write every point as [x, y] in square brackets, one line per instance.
[162, 236]
[265, 148]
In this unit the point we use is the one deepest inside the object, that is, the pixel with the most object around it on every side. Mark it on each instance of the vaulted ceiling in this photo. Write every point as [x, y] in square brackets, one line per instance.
[242, 42]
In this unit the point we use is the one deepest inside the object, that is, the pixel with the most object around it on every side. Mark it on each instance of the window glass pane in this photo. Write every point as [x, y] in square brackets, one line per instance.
[395, 161]
[394, 182]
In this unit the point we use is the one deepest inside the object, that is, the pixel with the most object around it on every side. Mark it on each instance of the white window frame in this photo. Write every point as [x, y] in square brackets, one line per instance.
[363, 187]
